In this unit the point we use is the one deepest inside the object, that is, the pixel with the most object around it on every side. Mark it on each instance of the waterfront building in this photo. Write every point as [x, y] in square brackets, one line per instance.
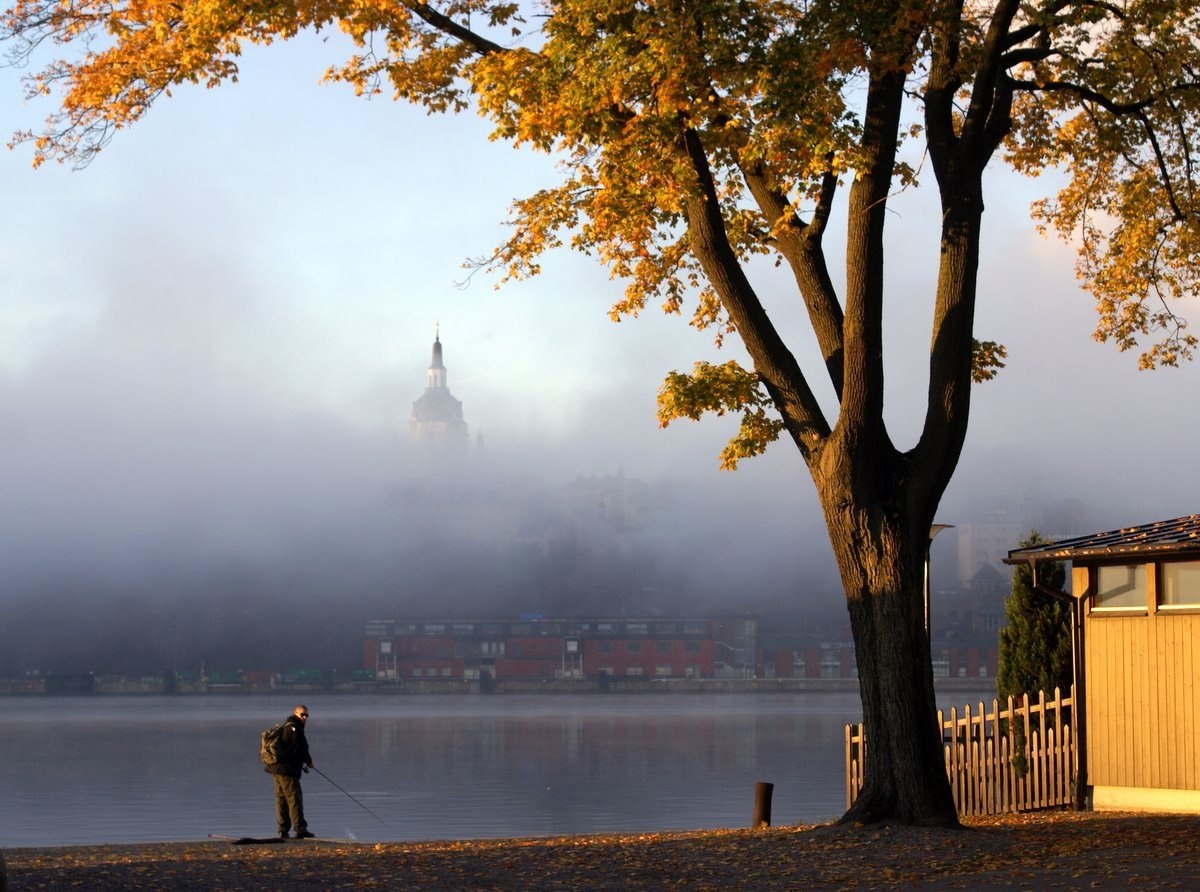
[626, 648]
[549, 648]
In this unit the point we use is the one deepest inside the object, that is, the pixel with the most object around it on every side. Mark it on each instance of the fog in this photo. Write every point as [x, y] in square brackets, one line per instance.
[211, 339]
[164, 513]
[165, 510]
[266, 541]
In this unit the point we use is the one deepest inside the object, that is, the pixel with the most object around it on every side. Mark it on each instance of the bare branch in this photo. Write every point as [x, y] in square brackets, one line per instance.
[448, 26]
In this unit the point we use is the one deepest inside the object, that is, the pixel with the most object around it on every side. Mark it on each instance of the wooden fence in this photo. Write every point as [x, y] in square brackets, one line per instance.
[983, 753]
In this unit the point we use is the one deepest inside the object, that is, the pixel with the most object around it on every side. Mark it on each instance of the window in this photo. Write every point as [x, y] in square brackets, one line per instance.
[605, 647]
[633, 647]
[662, 671]
[1120, 587]
[635, 628]
[1180, 584]
[435, 629]
[692, 647]
[633, 670]
[662, 647]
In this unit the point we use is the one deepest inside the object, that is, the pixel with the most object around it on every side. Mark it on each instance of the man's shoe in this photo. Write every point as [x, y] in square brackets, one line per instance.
[304, 834]
[283, 834]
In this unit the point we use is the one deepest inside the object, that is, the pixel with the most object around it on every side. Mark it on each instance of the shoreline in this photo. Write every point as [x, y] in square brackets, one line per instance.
[505, 687]
[1098, 850]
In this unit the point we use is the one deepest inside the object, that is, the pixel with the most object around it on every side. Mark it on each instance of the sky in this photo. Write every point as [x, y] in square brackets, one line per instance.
[211, 338]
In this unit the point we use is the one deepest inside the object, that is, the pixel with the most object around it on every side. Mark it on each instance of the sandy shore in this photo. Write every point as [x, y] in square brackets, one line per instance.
[1062, 850]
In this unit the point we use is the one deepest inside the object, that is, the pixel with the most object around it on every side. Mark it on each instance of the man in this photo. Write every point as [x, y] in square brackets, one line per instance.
[293, 758]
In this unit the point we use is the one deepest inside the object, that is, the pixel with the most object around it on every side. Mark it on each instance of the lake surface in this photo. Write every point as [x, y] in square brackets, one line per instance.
[141, 769]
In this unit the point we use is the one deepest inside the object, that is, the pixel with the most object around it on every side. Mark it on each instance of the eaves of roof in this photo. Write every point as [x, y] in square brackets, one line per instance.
[1165, 537]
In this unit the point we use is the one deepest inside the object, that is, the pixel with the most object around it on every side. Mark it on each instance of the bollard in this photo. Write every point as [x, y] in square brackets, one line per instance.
[762, 804]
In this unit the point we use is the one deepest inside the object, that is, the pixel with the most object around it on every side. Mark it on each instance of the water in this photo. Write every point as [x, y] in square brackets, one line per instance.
[142, 769]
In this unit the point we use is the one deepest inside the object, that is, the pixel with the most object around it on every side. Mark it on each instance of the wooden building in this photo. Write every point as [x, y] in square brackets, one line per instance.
[1136, 597]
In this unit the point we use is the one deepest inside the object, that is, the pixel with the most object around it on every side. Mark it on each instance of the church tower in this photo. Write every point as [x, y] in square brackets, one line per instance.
[437, 420]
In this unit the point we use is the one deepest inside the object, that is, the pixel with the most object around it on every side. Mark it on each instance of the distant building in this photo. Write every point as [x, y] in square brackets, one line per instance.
[624, 648]
[548, 648]
[437, 424]
[985, 543]
[817, 658]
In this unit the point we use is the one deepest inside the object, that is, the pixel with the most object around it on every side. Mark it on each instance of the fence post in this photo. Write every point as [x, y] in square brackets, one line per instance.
[762, 804]
[849, 768]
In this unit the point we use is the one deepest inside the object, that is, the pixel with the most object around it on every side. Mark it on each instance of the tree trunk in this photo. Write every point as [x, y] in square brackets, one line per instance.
[881, 555]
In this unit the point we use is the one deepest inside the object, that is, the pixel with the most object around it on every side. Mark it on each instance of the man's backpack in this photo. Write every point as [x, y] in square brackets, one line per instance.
[273, 745]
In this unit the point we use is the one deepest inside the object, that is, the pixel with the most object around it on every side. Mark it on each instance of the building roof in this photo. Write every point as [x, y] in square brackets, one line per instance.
[1180, 535]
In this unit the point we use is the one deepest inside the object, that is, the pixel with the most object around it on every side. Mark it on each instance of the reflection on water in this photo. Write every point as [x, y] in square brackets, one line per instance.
[111, 769]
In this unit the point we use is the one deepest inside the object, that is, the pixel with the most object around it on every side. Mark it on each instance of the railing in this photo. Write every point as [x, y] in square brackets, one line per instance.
[1020, 759]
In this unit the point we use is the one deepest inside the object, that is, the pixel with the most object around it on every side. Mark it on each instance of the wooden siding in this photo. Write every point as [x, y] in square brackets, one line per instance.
[1143, 700]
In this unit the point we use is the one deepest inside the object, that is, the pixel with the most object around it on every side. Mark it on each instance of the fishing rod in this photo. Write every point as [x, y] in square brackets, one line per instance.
[352, 799]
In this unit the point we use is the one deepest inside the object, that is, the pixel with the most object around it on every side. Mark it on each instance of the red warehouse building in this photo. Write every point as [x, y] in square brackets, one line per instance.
[541, 648]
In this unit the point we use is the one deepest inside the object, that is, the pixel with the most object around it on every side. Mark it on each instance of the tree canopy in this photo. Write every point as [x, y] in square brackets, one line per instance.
[696, 136]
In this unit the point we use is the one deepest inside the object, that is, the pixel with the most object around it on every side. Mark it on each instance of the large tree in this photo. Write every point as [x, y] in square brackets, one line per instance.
[697, 136]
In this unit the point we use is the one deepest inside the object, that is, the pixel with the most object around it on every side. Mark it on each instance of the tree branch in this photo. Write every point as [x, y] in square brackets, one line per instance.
[801, 245]
[774, 363]
[1137, 110]
[448, 26]
[985, 113]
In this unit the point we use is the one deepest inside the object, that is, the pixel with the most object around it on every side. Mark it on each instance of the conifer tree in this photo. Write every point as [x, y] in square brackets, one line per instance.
[1035, 643]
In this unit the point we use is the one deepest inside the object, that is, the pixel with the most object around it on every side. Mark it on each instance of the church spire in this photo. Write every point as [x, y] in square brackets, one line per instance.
[437, 416]
[437, 369]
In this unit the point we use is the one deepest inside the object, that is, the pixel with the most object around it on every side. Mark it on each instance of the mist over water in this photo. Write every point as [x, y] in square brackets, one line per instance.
[280, 566]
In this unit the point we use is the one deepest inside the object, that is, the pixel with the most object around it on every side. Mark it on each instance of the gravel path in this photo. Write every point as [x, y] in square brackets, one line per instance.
[1049, 850]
